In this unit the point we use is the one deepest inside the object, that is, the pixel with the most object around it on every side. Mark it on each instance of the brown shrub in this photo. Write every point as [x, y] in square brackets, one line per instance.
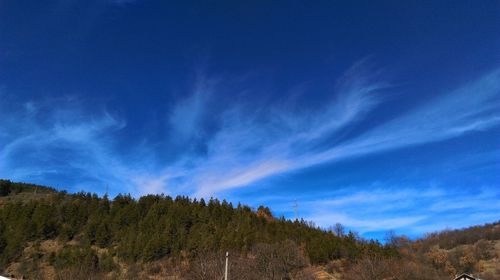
[386, 268]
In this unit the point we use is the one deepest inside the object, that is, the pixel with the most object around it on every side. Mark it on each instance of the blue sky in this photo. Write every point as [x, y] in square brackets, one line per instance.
[381, 116]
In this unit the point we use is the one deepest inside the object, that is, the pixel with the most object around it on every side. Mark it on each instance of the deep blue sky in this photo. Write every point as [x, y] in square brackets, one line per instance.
[380, 116]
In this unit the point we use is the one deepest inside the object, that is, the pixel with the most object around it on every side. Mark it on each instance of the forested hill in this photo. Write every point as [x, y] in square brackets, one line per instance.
[9, 188]
[47, 234]
[83, 227]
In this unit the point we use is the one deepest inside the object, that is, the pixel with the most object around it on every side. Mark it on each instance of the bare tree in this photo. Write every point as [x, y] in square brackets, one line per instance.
[278, 261]
[208, 265]
[339, 230]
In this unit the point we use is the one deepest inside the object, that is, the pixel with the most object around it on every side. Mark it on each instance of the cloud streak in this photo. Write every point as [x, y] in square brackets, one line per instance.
[473, 107]
[380, 207]
[246, 150]
[42, 143]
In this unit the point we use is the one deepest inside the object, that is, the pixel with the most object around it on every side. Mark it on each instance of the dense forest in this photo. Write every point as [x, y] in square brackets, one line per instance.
[50, 234]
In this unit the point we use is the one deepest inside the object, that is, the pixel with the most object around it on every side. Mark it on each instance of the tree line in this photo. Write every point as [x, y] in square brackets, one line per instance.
[155, 227]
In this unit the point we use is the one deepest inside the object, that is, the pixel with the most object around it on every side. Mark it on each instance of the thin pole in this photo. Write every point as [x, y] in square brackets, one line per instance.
[295, 210]
[225, 274]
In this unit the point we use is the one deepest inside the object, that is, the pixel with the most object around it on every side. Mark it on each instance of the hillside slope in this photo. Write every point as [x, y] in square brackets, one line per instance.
[53, 231]
[45, 234]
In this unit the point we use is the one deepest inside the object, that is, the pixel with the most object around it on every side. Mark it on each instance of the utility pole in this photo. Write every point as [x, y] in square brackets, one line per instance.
[225, 273]
[295, 209]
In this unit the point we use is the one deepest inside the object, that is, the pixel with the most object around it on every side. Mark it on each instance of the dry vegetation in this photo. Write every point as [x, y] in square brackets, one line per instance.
[442, 255]
[51, 235]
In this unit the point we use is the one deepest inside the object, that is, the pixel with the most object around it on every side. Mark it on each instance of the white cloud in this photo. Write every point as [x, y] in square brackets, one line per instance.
[367, 224]
[186, 118]
[472, 107]
[43, 143]
[413, 209]
[250, 144]
[151, 184]
[246, 150]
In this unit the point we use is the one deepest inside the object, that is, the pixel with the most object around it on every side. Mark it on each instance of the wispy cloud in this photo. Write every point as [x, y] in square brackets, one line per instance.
[41, 142]
[472, 107]
[186, 119]
[252, 145]
[243, 145]
[248, 148]
[380, 207]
